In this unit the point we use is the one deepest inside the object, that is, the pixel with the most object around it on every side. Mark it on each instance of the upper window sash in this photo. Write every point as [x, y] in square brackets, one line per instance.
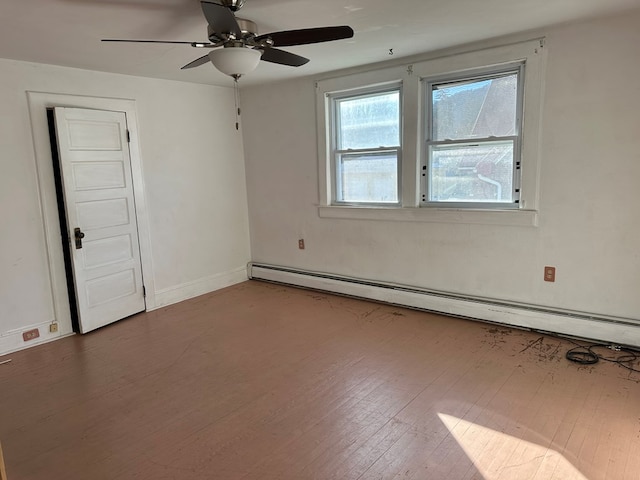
[460, 79]
[338, 141]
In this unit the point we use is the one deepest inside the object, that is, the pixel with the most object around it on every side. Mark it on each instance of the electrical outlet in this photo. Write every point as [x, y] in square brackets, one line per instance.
[301, 244]
[53, 328]
[549, 274]
[30, 334]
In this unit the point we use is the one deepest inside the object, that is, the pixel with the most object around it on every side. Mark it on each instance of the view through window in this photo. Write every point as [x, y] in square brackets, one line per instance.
[473, 140]
[367, 147]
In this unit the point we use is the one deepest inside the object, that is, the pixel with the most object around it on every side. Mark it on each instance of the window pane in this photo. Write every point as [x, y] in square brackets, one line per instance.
[367, 178]
[472, 173]
[475, 108]
[369, 121]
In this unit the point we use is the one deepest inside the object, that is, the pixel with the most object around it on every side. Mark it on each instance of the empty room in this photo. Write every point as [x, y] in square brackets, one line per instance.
[277, 239]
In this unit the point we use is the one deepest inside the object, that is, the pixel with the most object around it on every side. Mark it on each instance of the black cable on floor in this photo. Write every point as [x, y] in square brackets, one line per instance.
[581, 355]
[589, 354]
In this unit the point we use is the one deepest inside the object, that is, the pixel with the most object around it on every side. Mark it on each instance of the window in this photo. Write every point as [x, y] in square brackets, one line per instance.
[472, 152]
[366, 147]
[454, 138]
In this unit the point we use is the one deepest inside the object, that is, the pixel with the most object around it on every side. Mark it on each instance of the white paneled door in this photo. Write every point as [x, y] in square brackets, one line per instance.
[101, 220]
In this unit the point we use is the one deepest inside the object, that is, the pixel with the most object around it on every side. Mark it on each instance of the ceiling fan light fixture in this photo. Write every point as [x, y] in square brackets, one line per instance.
[235, 61]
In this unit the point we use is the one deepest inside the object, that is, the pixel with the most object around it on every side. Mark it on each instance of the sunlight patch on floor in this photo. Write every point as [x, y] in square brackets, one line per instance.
[498, 456]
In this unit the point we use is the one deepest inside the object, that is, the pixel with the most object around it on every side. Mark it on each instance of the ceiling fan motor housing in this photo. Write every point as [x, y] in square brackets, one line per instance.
[233, 5]
[247, 27]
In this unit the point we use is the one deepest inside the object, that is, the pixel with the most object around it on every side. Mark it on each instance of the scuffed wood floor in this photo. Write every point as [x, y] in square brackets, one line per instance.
[260, 381]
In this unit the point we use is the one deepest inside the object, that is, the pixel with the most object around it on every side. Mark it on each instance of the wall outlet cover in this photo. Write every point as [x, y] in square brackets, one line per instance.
[30, 334]
[549, 274]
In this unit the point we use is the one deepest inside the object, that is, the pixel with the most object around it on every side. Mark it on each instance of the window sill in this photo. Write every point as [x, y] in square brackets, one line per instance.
[516, 218]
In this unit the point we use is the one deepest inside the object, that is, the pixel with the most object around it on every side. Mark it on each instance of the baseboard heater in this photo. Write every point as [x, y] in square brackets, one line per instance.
[616, 330]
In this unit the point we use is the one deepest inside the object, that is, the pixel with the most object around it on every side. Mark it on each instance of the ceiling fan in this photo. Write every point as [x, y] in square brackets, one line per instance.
[242, 47]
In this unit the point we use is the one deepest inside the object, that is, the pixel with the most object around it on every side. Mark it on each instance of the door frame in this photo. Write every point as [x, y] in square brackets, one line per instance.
[39, 102]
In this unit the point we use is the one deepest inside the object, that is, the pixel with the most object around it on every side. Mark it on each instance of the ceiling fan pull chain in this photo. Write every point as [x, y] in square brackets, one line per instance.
[236, 95]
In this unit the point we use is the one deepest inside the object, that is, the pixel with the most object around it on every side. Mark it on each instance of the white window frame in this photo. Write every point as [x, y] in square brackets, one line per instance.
[334, 135]
[516, 138]
[531, 53]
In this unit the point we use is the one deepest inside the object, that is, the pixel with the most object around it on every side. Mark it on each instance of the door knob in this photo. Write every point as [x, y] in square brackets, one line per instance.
[78, 235]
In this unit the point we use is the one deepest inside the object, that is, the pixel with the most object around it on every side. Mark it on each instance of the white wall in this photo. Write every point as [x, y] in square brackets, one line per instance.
[589, 220]
[194, 186]
[589, 223]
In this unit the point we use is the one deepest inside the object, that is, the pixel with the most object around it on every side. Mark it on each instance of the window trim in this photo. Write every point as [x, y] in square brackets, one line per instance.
[449, 62]
[512, 218]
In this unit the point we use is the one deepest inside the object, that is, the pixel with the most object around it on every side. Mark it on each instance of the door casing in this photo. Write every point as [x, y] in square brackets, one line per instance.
[39, 102]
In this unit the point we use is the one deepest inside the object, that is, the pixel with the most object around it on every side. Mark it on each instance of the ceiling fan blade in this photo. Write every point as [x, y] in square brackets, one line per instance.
[275, 55]
[305, 36]
[197, 62]
[149, 41]
[221, 19]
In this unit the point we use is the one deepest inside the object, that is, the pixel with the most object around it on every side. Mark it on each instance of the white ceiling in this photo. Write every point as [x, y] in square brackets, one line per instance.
[68, 32]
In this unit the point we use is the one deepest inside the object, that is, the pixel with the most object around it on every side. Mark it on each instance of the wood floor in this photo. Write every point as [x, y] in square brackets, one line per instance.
[260, 381]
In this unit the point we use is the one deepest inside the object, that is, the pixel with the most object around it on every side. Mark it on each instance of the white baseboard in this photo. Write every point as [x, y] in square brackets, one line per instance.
[12, 341]
[622, 331]
[178, 293]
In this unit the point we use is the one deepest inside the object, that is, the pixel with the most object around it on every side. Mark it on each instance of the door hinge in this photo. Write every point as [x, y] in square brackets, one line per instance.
[144, 292]
[128, 137]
